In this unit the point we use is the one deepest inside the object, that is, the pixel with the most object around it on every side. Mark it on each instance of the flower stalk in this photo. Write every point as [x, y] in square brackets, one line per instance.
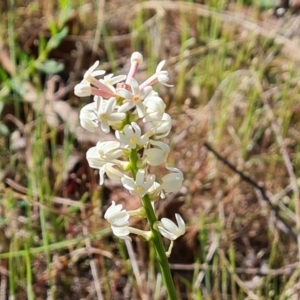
[159, 249]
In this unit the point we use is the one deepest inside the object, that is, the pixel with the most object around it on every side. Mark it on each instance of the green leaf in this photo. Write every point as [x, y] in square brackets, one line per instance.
[3, 129]
[267, 3]
[50, 66]
[65, 14]
[56, 39]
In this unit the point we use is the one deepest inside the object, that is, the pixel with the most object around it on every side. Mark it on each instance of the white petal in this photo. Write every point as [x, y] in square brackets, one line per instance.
[117, 117]
[154, 156]
[140, 176]
[125, 94]
[140, 109]
[113, 173]
[82, 89]
[93, 158]
[126, 106]
[120, 218]
[111, 103]
[160, 66]
[112, 209]
[88, 124]
[169, 225]
[147, 185]
[134, 86]
[128, 183]
[181, 223]
[121, 232]
[166, 233]
[146, 92]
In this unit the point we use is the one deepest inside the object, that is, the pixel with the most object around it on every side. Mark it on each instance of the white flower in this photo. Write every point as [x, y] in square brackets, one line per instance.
[121, 232]
[155, 191]
[132, 136]
[160, 75]
[106, 114]
[103, 153]
[83, 89]
[172, 182]
[92, 86]
[157, 155]
[92, 72]
[112, 173]
[138, 187]
[118, 220]
[88, 117]
[155, 108]
[116, 216]
[134, 99]
[110, 80]
[169, 229]
[100, 111]
[162, 127]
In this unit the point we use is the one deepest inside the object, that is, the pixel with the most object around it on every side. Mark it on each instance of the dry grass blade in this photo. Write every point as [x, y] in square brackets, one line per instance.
[285, 156]
[212, 249]
[290, 46]
[252, 182]
[136, 270]
[58, 200]
[93, 265]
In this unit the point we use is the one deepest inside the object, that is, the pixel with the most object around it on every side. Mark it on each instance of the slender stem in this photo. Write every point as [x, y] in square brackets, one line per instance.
[156, 237]
[160, 249]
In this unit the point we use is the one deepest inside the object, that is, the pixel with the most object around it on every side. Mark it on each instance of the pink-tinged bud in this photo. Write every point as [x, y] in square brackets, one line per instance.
[136, 56]
[136, 60]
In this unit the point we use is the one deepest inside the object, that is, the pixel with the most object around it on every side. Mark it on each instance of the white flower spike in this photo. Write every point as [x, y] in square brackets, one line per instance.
[123, 107]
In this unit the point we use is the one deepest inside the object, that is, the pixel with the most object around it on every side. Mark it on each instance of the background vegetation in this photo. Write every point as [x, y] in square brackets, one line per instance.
[236, 110]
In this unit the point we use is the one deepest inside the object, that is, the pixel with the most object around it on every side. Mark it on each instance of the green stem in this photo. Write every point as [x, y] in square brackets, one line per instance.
[160, 249]
[156, 237]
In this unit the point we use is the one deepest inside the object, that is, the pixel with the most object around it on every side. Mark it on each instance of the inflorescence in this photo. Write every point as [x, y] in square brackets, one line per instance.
[137, 115]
